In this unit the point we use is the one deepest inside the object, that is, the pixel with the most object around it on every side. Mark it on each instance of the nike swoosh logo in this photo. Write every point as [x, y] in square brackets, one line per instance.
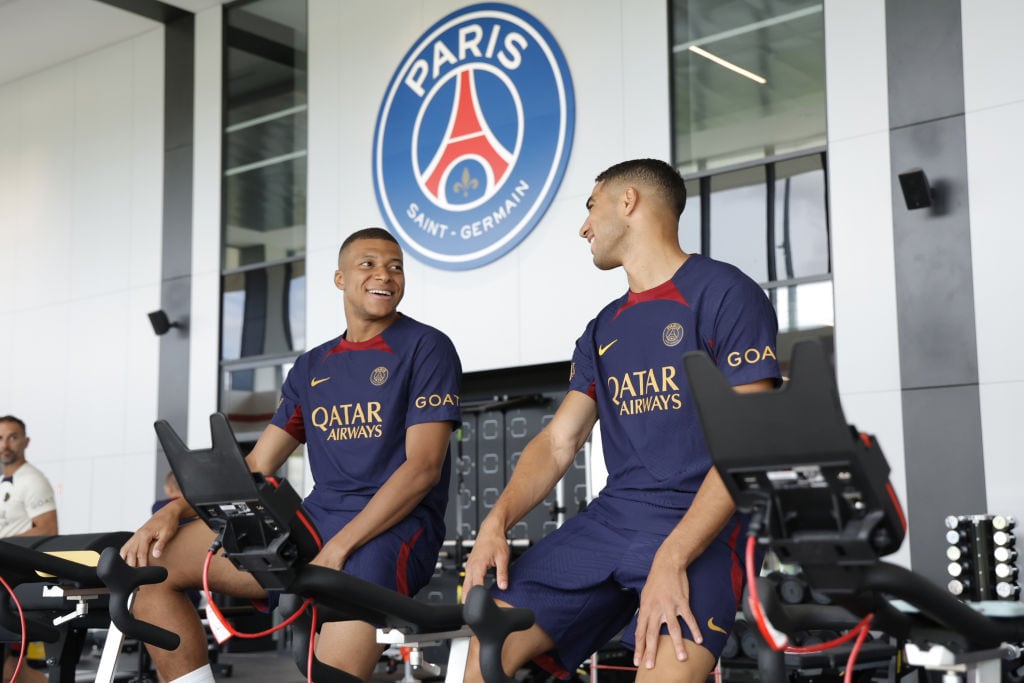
[715, 627]
[602, 349]
[316, 381]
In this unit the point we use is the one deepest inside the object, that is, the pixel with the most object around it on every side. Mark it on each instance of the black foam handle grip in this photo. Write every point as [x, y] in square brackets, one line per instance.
[492, 624]
[122, 580]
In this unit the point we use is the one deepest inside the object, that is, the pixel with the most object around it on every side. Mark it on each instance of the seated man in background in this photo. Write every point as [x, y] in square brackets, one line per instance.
[375, 408]
[27, 508]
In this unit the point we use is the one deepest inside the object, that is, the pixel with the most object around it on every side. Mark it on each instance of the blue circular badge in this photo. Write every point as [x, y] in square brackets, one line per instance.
[473, 136]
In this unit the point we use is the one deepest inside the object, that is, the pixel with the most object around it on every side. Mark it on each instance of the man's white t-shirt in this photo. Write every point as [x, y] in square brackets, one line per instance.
[24, 495]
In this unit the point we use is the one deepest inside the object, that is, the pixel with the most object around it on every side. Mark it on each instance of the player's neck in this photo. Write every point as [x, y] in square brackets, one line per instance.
[650, 267]
[365, 330]
[10, 469]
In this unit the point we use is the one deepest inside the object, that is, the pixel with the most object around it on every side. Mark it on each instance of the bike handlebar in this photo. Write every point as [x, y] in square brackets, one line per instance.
[122, 580]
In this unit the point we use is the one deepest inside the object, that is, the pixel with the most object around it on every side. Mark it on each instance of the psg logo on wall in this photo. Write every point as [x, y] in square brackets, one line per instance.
[473, 136]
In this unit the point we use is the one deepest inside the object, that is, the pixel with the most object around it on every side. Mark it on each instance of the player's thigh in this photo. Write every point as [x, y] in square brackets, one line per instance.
[667, 669]
[184, 558]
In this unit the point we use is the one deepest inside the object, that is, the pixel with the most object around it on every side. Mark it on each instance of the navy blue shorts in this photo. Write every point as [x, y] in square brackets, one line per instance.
[583, 583]
[402, 558]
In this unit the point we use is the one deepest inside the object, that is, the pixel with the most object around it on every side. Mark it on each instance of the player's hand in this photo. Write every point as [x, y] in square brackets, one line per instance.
[151, 538]
[332, 556]
[490, 549]
[666, 596]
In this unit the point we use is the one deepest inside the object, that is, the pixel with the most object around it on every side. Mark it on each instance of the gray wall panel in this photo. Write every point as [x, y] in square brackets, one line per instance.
[946, 472]
[925, 60]
[172, 400]
[177, 236]
[176, 264]
[934, 278]
[943, 451]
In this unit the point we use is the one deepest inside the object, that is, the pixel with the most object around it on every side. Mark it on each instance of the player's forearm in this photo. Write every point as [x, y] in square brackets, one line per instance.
[271, 450]
[392, 503]
[710, 511]
[42, 525]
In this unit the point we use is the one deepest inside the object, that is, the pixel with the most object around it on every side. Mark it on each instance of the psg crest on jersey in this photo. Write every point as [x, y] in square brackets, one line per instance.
[473, 136]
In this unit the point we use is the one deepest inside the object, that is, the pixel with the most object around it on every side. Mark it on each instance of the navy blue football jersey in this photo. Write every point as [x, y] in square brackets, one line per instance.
[350, 403]
[629, 360]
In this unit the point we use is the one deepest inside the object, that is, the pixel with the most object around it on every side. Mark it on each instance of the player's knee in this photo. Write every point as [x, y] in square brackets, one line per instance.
[668, 668]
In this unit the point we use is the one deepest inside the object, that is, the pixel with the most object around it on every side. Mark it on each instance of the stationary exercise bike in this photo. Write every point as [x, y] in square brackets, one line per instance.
[57, 596]
[262, 529]
[819, 496]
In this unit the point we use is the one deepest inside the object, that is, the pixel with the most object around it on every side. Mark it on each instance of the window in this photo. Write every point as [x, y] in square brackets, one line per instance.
[738, 228]
[748, 80]
[263, 317]
[748, 113]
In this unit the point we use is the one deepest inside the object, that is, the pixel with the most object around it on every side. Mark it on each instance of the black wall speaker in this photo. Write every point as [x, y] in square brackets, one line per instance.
[917, 193]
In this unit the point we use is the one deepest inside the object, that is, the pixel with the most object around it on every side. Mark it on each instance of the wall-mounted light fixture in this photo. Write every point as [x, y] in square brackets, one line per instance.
[161, 323]
[917, 191]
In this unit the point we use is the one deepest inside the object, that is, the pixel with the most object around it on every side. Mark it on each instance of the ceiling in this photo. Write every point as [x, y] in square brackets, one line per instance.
[37, 34]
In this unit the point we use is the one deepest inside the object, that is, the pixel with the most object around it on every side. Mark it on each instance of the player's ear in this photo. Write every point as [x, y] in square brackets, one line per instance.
[628, 199]
[339, 280]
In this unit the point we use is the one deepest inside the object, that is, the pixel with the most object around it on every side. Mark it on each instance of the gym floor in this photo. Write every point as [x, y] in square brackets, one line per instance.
[271, 666]
[278, 667]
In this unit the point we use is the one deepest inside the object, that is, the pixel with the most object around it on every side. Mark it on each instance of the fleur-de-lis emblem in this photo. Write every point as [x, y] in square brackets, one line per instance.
[466, 184]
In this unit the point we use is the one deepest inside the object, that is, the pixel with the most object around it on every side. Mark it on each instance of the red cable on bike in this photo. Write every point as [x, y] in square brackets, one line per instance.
[24, 628]
[312, 642]
[231, 629]
[859, 631]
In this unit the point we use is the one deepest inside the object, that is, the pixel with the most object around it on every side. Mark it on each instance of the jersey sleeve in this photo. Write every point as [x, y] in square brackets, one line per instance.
[746, 334]
[435, 383]
[288, 415]
[582, 372]
[39, 498]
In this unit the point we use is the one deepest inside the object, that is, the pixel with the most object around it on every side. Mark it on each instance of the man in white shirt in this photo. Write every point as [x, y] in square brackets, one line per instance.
[27, 505]
[27, 508]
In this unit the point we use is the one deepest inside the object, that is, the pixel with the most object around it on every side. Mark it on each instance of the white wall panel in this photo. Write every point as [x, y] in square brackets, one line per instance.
[145, 227]
[10, 189]
[139, 471]
[856, 76]
[47, 187]
[204, 320]
[1000, 430]
[141, 359]
[478, 309]
[993, 51]
[78, 495]
[204, 363]
[994, 152]
[866, 335]
[102, 172]
[96, 375]
[645, 86]
[35, 373]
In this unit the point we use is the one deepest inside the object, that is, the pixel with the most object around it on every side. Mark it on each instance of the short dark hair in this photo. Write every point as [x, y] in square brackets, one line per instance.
[654, 172]
[11, 418]
[367, 234]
